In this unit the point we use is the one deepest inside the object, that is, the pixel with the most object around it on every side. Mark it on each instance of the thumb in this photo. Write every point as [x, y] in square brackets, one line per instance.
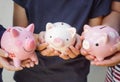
[42, 37]
[3, 53]
[42, 46]
[116, 47]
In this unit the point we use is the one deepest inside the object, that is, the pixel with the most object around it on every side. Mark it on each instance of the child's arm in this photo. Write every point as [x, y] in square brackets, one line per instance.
[3, 54]
[2, 29]
[115, 23]
[6, 63]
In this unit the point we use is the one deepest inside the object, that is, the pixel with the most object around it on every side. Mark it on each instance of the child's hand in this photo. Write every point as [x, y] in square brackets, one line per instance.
[42, 37]
[85, 53]
[74, 50]
[87, 56]
[116, 47]
[114, 60]
[42, 47]
[111, 61]
[7, 63]
[71, 52]
[28, 63]
[49, 52]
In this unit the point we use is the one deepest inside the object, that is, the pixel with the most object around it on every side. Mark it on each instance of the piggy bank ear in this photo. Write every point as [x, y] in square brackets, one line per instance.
[30, 28]
[14, 32]
[104, 38]
[8, 29]
[72, 31]
[86, 28]
[49, 26]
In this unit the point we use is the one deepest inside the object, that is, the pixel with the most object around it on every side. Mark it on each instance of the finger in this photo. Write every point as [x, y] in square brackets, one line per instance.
[74, 50]
[104, 63]
[42, 36]
[13, 68]
[101, 63]
[82, 38]
[47, 52]
[116, 47]
[108, 62]
[27, 65]
[42, 46]
[65, 57]
[90, 57]
[3, 53]
[70, 53]
[55, 53]
[36, 62]
[26, 61]
[32, 64]
[36, 38]
[83, 52]
[8, 66]
[78, 42]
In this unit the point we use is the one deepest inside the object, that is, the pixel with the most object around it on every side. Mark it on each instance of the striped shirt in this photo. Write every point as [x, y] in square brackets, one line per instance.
[113, 74]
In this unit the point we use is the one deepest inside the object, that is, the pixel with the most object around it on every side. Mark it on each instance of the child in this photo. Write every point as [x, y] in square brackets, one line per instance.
[113, 63]
[74, 12]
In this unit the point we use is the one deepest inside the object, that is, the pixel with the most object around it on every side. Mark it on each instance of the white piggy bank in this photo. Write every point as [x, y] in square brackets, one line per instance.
[59, 35]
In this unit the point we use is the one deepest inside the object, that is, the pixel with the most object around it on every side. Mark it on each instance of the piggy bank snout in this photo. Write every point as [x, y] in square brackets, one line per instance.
[58, 40]
[86, 44]
[30, 45]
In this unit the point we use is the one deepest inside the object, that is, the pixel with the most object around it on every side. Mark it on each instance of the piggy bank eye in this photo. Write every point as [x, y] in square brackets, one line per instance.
[67, 39]
[26, 37]
[96, 44]
[50, 36]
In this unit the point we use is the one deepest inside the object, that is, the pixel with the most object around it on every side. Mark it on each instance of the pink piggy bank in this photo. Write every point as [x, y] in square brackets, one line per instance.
[98, 41]
[59, 35]
[20, 44]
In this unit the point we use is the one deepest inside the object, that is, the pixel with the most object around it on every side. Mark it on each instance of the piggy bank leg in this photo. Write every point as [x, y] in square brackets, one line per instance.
[34, 58]
[16, 62]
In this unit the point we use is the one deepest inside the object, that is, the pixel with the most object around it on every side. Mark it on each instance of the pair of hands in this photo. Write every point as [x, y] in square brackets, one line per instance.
[71, 52]
[111, 61]
[7, 63]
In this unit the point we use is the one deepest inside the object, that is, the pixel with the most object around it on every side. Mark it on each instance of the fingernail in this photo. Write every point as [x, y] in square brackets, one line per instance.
[6, 54]
[36, 63]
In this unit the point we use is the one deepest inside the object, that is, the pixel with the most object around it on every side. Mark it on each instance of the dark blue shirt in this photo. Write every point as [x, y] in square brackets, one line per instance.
[2, 29]
[74, 12]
